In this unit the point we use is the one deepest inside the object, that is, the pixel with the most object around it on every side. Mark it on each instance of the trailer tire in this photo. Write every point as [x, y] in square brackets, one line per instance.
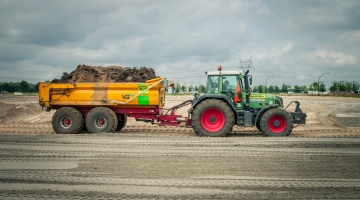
[213, 118]
[122, 122]
[276, 122]
[67, 120]
[101, 120]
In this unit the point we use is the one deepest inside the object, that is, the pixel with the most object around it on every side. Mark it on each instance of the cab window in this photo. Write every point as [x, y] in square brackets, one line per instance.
[229, 83]
[212, 85]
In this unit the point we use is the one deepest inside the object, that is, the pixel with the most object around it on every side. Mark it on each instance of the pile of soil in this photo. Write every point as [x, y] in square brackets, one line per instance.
[10, 111]
[343, 94]
[110, 74]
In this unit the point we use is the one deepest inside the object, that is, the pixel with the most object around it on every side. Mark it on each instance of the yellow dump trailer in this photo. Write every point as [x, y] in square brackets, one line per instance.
[104, 107]
[149, 94]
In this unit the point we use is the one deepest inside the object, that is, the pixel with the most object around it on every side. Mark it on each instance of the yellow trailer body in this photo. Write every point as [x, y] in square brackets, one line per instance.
[149, 94]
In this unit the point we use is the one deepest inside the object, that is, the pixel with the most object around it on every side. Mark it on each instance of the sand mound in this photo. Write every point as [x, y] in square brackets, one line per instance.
[10, 112]
[343, 94]
[110, 74]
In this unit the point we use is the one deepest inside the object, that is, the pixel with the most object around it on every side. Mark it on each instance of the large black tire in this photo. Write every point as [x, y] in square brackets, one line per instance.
[67, 120]
[213, 117]
[122, 122]
[258, 126]
[276, 122]
[101, 120]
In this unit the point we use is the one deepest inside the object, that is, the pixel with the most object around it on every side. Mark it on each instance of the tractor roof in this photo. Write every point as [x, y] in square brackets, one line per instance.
[238, 72]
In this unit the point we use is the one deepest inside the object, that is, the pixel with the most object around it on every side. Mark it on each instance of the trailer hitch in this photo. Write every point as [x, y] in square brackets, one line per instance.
[174, 108]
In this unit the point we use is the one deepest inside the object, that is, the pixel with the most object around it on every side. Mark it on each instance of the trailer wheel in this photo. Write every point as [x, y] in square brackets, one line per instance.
[212, 117]
[122, 122]
[67, 120]
[101, 119]
[276, 122]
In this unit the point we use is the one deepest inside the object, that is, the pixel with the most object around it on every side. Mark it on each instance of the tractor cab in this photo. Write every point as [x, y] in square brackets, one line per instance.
[228, 83]
[231, 84]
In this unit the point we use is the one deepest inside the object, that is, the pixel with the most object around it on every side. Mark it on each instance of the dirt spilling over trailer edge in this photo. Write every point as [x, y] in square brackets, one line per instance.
[110, 74]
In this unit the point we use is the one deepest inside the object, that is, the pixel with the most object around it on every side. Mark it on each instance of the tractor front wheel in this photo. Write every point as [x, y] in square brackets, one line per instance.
[258, 126]
[212, 117]
[276, 122]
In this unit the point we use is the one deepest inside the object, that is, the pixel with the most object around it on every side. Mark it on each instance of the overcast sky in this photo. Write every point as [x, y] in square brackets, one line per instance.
[293, 41]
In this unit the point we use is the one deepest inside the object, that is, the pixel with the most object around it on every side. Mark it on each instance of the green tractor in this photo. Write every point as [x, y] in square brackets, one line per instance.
[228, 101]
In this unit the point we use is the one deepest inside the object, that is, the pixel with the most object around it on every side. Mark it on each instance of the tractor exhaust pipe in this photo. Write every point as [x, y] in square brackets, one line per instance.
[247, 91]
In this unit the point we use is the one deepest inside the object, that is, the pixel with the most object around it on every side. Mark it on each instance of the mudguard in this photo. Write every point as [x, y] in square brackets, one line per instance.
[265, 109]
[212, 96]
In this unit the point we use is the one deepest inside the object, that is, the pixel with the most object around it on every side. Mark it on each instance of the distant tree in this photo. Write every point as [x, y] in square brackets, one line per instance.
[24, 86]
[196, 88]
[6, 87]
[16, 87]
[201, 88]
[334, 87]
[297, 89]
[313, 86]
[342, 86]
[348, 86]
[261, 89]
[255, 89]
[277, 89]
[284, 88]
[177, 88]
[190, 89]
[355, 86]
[322, 87]
[271, 89]
[183, 88]
[304, 89]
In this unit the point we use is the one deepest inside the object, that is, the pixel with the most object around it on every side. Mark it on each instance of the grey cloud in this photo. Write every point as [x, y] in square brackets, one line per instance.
[321, 14]
[293, 40]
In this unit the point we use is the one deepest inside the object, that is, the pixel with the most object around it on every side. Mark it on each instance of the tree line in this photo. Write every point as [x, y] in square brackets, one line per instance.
[285, 88]
[22, 86]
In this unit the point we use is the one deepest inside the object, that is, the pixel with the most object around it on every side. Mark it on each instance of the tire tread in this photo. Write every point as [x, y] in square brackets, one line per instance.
[213, 103]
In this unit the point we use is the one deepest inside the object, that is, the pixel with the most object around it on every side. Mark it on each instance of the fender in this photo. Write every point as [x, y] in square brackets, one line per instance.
[213, 96]
[265, 109]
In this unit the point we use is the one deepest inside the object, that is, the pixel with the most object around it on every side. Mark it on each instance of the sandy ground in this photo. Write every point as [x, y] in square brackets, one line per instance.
[137, 166]
[319, 160]
[327, 116]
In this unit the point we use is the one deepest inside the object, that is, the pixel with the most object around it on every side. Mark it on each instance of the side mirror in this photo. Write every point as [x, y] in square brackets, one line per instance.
[250, 80]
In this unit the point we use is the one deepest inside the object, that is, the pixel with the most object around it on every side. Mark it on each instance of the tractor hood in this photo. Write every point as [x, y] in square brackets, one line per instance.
[259, 100]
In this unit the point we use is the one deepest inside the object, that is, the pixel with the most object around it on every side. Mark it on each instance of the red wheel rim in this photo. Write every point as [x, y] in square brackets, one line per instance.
[100, 122]
[277, 123]
[212, 119]
[66, 122]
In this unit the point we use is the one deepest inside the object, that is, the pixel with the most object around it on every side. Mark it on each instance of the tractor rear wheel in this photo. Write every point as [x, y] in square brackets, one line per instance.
[276, 122]
[67, 120]
[101, 119]
[212, 117]
[121, 122]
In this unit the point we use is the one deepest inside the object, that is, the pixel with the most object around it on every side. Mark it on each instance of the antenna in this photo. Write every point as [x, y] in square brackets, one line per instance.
[246, 65]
